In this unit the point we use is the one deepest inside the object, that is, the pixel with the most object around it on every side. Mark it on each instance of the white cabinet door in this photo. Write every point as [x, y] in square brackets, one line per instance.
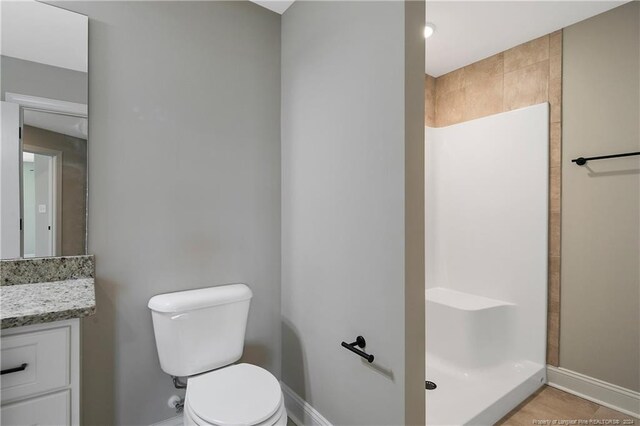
[46, 355]
[10, 181]
[53, 409]
[41, 380]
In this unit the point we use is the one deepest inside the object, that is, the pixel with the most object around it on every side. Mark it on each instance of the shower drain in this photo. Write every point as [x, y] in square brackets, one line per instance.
[429, 385]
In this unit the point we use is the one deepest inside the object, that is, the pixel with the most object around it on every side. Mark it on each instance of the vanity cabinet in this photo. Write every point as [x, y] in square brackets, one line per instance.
[40, 378]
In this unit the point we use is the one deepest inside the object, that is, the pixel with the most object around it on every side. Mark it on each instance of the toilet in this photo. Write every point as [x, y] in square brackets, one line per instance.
[200, 335]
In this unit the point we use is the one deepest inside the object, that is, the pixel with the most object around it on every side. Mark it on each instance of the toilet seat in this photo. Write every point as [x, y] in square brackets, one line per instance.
[241, 394]
[278, 419]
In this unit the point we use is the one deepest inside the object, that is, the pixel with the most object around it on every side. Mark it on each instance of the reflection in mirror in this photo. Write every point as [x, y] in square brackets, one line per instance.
[43, 145]
[54, 167]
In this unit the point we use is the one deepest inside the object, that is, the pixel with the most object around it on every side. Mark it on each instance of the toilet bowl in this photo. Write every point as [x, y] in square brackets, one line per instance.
[241, 394]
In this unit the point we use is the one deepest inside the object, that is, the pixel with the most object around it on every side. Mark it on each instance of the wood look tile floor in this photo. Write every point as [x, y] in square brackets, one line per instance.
[553, 404]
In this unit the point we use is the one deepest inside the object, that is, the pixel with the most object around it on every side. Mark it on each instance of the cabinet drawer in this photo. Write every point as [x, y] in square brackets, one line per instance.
[52, 409]
[46, 354]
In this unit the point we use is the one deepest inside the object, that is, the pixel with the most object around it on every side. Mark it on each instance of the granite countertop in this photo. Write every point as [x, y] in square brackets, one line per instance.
[35, 303]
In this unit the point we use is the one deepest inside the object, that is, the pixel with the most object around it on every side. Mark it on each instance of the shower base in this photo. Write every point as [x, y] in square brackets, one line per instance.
[471, 357]
[478, 397]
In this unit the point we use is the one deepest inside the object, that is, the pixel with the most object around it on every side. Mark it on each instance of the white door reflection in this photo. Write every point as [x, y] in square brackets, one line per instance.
[40, 188]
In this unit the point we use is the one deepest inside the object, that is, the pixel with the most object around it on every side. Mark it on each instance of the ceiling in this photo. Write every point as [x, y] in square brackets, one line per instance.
[467, 31]
[278, 6]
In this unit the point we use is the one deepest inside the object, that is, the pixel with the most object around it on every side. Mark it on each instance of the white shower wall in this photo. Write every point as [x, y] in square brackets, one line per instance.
[486, 215]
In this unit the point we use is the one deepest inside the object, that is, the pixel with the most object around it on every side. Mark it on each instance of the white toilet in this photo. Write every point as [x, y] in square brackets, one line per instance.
[199, 335]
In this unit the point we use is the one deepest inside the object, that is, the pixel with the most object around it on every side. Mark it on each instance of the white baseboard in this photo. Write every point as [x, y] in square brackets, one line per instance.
[299, 410]
[603, 393]
[173, 421]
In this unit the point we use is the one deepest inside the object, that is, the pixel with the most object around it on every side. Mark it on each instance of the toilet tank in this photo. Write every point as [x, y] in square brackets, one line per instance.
[200, 330]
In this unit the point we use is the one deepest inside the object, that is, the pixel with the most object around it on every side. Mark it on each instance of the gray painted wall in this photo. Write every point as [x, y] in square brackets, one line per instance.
[344, 127]
[600, 326]
[35, 79]
[184, 183]
[414, 206]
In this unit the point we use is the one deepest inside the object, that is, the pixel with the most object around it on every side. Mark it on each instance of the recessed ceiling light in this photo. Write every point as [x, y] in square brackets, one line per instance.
[429, 29]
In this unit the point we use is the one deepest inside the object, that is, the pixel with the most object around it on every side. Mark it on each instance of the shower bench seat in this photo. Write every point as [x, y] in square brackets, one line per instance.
[467, 330]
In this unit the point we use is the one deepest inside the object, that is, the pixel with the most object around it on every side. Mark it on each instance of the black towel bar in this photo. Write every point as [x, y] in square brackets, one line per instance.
[359, 343]
[581, 161]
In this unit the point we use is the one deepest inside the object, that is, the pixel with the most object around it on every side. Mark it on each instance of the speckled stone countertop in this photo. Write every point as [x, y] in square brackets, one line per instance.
[45, 269]
[47, 289]
[35, 303]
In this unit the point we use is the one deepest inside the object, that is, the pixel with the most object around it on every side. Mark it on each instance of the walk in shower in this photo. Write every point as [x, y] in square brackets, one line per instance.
[486, 264]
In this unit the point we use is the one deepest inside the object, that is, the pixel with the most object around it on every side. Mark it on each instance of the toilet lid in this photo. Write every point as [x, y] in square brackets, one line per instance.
[242, 394]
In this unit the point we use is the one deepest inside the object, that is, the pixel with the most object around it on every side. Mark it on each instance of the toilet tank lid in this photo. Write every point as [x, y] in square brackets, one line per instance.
[182, 301]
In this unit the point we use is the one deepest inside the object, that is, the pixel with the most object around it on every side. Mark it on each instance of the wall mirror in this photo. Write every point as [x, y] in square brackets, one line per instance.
[43, 145]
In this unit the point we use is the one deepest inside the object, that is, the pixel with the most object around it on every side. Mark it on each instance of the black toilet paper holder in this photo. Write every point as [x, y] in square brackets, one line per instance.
[359, 343]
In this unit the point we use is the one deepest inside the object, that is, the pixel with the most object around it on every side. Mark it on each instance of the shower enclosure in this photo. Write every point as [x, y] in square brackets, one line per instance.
[486, 264]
